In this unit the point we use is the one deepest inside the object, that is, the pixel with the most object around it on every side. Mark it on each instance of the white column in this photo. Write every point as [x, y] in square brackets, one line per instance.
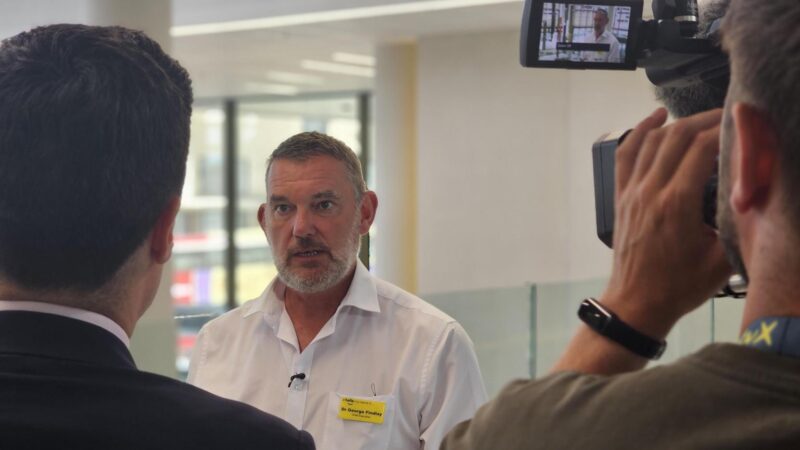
[394, 247]
[154, 17]
[153, 343]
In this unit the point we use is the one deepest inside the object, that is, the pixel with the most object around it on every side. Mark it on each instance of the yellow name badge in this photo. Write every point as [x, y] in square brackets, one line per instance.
[370, 411]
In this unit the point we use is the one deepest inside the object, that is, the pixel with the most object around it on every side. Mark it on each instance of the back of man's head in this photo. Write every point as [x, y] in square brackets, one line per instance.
[763, 41]
[686, 101]
[94, 134]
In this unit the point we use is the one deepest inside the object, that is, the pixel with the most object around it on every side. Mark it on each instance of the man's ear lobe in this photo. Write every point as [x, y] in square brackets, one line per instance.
[756, 156]
[161, 238]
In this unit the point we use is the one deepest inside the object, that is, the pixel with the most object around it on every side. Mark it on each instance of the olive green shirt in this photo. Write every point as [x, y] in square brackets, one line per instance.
[725, 396]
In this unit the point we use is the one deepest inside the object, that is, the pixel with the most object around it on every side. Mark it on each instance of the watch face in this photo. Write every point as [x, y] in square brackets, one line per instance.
[595, 317]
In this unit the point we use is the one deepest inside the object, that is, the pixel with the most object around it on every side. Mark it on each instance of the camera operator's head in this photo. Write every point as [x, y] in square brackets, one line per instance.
[94, 134]
[760, 162]
[686, 101]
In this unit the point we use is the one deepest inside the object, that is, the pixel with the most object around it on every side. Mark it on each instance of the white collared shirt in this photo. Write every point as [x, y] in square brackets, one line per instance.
[383, 345]
[71, 313]
[611, 56]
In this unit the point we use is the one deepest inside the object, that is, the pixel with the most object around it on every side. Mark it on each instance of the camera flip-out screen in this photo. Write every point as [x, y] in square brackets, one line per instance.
[598, 34]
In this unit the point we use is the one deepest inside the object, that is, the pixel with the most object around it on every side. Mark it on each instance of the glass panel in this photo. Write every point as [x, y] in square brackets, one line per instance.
[198, 281]
[555, 319]
[728, 314]
[521, 332]
[499, 323]
[556, 306]
[262, 126]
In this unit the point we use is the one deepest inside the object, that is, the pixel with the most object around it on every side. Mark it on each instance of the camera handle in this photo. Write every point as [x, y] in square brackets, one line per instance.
[684, 12]
[673, 60]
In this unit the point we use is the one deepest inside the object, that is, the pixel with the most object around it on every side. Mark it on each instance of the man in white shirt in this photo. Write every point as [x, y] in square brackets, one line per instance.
[601, 35]
[356, 361]
[94, 134]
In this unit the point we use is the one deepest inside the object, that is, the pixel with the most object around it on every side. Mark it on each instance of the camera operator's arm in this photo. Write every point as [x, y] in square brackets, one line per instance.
[667, 261]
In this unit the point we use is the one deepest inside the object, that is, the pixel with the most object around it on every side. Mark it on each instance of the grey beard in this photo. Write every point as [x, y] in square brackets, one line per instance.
[730, 242]
[333, 274]
[315, 284]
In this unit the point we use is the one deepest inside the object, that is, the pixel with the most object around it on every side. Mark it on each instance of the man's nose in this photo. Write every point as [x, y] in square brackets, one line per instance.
[303, 223]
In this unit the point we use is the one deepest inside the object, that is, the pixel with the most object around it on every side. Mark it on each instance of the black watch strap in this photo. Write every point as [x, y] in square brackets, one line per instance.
[606, 323]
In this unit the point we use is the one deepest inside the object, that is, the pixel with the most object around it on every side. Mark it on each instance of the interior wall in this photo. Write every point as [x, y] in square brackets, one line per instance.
[600, 101]
[505, 176]
[19, 16]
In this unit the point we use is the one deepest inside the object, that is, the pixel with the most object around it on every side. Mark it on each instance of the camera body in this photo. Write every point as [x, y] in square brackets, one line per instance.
[612, 35]
[603, 154]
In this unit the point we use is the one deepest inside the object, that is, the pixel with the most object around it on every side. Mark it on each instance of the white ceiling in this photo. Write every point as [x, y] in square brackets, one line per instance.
[239, 63]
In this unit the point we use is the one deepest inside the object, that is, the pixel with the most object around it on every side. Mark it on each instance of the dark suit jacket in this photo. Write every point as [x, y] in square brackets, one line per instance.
[66, 384]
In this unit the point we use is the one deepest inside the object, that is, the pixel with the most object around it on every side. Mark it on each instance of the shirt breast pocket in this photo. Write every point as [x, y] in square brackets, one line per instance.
[358, 423]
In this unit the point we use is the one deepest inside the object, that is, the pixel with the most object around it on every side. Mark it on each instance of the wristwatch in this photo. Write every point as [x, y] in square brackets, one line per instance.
[607, 324]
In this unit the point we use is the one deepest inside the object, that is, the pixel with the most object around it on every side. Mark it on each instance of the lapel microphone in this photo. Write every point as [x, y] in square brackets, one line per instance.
[299, 376]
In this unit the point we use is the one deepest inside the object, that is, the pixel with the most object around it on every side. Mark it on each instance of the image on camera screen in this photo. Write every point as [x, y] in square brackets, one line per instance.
[584, 33]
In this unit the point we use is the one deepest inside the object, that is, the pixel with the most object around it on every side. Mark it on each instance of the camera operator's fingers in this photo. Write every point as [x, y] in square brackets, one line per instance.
[647, 154]
[626, 154]
[699, 163]
[679, 136]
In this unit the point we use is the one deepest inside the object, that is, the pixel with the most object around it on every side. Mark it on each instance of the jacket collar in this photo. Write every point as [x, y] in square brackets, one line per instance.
[58, 337]
[69, 312]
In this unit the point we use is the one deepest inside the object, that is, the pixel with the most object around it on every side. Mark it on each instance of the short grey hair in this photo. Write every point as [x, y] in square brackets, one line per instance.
[306, 145]
[763, 41]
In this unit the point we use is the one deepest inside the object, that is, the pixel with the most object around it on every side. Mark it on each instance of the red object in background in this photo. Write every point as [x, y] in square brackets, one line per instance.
[186, 342]
[182, 287]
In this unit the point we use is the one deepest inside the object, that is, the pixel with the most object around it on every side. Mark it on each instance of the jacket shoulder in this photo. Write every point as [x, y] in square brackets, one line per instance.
[217, 422]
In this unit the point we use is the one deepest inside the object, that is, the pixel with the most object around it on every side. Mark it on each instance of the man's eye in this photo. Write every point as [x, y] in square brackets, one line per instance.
[325, 205]
[281, 209]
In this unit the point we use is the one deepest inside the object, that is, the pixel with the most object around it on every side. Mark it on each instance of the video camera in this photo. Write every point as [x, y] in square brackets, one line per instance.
[611, 34]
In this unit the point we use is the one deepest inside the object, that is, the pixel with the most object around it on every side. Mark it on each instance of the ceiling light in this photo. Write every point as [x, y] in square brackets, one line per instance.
[328, 16]
[352, 58]
[345, 69]
[272, 88]
[294, 78]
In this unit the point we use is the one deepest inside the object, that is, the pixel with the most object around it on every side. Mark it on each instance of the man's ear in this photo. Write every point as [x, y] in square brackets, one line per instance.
[369, 207]
[755, 159]
[262, 209]
[161, 238]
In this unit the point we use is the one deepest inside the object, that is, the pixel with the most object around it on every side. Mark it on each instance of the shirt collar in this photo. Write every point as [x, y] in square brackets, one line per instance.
[362, 294]
[69, 312]
[603, 35]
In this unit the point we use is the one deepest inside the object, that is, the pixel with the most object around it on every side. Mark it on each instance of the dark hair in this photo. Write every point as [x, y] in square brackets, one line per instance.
[303, 146]
[763, 42]
[94, 134]
[699, 97]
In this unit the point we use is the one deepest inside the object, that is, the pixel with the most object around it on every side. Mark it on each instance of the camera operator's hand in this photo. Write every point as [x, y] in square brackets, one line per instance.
[667, 261]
